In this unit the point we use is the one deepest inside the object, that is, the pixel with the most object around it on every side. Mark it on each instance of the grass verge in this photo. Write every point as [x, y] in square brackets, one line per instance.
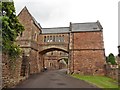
[99, 81]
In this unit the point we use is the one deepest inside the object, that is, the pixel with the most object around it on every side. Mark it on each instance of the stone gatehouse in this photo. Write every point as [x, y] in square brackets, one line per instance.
[80, 43]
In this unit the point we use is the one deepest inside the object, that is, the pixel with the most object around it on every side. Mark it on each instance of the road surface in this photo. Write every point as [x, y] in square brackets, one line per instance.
[54, 79]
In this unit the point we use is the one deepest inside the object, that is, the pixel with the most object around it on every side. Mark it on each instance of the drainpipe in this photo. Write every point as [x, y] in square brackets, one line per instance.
[70, 49]
[73, 50]
[69, 54]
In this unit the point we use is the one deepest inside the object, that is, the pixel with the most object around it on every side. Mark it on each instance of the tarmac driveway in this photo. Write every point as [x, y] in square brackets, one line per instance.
[54, 79]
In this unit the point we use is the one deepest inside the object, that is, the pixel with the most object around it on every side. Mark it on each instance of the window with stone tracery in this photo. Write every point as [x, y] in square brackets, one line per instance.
[59, 38]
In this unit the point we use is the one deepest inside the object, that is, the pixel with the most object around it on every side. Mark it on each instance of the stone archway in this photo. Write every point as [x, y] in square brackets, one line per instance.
[52, 49]
[51, 56]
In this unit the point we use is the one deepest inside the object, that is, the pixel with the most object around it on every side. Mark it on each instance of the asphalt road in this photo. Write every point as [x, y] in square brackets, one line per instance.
[53, 79]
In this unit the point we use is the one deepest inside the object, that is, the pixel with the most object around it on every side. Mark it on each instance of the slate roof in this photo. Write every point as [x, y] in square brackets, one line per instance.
[92, 26]
[75, 27]
[55, 30]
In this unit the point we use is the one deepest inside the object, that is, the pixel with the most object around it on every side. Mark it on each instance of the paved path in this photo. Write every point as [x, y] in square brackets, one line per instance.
[53, 79]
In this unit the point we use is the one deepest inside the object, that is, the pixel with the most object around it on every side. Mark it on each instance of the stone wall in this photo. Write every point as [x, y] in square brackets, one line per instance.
[26, 21]
[87, 53]
[88, 62]
[88, 40]
[112, 72]
[41, 62]
[63, 45]
[11, 70]
[33, 61]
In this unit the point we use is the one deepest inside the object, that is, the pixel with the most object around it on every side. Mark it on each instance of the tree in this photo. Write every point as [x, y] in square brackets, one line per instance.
[11, 28]
[111, 59]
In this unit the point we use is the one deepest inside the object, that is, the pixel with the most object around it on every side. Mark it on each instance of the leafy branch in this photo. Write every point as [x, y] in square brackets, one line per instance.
[11, 28]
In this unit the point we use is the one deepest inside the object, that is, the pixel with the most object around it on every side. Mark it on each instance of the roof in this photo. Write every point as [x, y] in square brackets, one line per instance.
[91, 26]
[36, 23]
[75, 27]
[55, 30]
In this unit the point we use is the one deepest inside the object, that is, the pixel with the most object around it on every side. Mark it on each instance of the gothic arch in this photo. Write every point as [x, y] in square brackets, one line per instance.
[52, 49]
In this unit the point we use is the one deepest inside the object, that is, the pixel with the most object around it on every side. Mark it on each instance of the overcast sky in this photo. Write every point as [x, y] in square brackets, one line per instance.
[58, 13]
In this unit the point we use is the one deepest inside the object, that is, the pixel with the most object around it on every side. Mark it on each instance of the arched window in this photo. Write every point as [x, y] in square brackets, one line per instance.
[56, 38]
[62, 38]
[59, 38]
[53, 38]
[48, 39]
[45, 39]
[35, 36]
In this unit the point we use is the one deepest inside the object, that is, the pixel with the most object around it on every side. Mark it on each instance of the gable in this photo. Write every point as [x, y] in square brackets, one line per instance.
[25, 15]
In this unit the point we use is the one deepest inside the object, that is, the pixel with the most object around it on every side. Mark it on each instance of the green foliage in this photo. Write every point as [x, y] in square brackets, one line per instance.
[111, 59]
[11, 28]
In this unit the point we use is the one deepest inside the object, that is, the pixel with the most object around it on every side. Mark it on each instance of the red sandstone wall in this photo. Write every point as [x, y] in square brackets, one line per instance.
[89, 62]
[88, 53]
[88, 40]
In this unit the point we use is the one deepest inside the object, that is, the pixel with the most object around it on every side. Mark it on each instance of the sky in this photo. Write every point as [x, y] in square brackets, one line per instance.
[59, 13]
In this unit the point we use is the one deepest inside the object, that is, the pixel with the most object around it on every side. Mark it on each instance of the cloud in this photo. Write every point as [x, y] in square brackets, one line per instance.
[45, 11]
